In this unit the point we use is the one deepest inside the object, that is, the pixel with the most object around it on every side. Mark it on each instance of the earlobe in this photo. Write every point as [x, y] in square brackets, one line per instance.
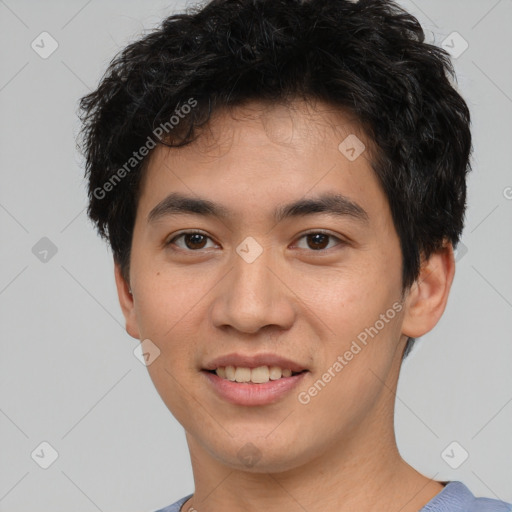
[427, 298]
[126, 302]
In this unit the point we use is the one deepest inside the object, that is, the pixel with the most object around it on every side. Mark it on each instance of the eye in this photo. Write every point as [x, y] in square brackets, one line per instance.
[196, 240]
[319, 240]
[192, 240]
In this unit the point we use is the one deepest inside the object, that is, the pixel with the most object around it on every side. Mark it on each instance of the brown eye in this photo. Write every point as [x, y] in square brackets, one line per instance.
[191, 241]
[318, 241]
[194, 240]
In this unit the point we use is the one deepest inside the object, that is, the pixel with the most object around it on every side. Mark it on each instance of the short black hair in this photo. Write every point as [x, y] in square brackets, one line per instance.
[368, 57]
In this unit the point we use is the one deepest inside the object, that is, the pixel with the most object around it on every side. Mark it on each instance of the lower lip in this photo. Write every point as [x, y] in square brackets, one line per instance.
[241, 393]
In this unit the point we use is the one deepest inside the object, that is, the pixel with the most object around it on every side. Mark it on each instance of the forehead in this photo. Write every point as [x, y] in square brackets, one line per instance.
[250, 156]
[293, 125]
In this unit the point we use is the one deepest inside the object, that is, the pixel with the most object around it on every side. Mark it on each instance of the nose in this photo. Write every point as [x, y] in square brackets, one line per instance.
[254, 296]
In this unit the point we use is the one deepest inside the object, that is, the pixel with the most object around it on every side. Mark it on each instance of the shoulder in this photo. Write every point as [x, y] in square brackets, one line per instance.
[456, 497]
[175, 507]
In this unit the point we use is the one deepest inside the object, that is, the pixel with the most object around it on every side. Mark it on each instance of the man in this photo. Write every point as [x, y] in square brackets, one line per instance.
[282, 184]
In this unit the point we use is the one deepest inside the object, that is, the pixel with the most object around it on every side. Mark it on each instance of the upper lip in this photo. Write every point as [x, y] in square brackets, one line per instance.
[254, 361]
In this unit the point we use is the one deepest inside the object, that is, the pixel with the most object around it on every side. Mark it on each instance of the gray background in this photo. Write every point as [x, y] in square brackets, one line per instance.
[68, 373]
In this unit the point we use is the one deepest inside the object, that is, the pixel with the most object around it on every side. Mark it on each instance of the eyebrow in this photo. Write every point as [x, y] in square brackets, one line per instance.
[334, 204]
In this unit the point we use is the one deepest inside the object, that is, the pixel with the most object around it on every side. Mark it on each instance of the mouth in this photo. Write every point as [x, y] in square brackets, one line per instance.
[259, 386]
[259, 375]
[253, 379]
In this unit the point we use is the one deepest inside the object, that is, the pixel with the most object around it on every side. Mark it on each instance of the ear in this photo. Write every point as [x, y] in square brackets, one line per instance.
[427, 298]
[127, 302]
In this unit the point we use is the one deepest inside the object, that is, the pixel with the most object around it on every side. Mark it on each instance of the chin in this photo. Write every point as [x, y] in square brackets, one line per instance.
[260, 455]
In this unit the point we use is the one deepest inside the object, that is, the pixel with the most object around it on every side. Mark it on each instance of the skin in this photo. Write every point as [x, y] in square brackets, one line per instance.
[339, 451]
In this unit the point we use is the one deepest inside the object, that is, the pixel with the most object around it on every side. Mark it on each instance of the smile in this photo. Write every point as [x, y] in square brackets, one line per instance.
[259, 375]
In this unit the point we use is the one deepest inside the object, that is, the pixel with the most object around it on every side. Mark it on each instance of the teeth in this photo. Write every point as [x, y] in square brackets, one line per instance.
[258, 375]
[275, 372]
[230, 373]
[242, 374]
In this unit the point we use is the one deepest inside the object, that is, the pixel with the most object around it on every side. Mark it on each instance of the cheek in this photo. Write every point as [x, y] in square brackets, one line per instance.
[166, 301]
[167, 314]
[350, 299]
[349, 383]
[361, 317]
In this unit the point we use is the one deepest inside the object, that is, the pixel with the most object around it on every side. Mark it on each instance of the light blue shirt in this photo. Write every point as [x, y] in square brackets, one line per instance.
[455, 497]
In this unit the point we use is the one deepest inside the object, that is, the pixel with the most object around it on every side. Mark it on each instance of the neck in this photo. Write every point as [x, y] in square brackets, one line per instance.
[364, 473]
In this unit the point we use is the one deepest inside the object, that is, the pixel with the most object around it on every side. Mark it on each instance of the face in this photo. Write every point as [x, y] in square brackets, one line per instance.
[247, 281]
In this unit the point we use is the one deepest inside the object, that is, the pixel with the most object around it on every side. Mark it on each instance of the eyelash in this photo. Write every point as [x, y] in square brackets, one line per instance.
[340, 242]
